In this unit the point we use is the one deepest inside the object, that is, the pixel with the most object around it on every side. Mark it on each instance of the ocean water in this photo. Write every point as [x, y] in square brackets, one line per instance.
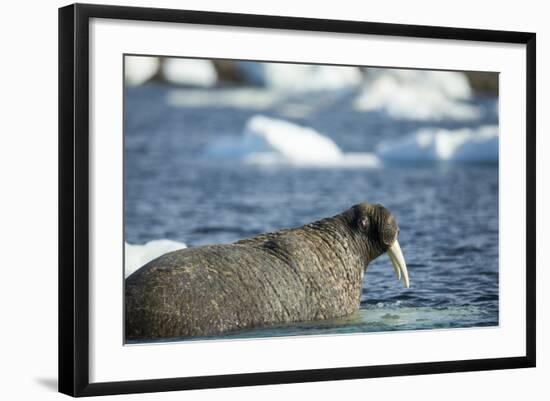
[447, 209]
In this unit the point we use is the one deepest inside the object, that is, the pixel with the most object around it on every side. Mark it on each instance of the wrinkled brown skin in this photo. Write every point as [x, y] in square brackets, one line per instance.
[312, 272]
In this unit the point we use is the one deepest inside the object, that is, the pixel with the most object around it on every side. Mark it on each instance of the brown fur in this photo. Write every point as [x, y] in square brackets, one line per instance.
[307, 273]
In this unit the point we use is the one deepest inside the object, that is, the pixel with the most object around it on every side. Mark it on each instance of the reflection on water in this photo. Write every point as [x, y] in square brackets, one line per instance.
[372, 319]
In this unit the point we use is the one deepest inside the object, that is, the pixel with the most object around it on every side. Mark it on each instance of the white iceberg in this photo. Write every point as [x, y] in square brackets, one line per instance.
[189, 72]
[464, 145]
[418, 95]
[300, 77]
[284, 88]
[136, 256]
[247, 98]
[139, 69]
[237, 98]
[273, 141]
[269, 141]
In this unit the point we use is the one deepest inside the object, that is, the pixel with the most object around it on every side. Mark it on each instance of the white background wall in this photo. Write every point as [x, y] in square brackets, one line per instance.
[28, 199]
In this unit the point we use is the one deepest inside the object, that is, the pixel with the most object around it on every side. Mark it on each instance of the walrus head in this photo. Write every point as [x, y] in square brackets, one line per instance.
[378, 229]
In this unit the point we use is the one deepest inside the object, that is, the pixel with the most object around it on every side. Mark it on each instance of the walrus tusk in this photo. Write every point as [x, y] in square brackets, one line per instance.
[395, 268]
[398, 262]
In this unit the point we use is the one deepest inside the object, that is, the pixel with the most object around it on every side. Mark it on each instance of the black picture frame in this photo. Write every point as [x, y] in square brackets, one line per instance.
[74, 198]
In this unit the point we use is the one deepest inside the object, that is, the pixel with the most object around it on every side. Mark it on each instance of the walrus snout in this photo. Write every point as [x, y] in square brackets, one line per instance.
[380, 228]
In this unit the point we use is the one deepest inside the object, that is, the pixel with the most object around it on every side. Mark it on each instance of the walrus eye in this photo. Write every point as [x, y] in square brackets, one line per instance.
[363, 224]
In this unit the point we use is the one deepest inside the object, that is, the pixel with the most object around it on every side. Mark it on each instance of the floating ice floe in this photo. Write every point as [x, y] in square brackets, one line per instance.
[269, 141]
[139, 69]
[418, 95]
[136, 256]
[300, 77]
[189, 72]
[285, 88]
[250, 98]
[432, 144]
[237, 98]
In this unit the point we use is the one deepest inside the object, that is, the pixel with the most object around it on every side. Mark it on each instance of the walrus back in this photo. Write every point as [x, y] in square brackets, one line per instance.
[209, 290]
[301, 274]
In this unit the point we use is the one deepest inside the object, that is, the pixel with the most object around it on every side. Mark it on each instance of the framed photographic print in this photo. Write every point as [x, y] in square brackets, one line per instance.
[295, 199]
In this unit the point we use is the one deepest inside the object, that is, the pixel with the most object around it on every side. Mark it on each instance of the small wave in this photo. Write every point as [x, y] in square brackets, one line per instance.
[269, 141]
[462, 249]
[418, 95]
[486, 298]
[383, 304]
[430, 145]
[136, 256]
[220, 229]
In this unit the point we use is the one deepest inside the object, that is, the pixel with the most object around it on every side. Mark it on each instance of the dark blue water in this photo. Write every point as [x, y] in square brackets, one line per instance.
[448, 213]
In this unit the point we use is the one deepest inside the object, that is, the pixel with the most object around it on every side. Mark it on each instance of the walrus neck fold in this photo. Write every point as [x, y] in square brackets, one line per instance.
[339, 229]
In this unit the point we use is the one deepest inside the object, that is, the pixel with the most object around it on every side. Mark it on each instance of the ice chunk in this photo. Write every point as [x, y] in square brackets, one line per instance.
[136, 256]
[300, 77]
[268, 141]
[139, 69]
[418, 95]
[428, 145]
[189, 72]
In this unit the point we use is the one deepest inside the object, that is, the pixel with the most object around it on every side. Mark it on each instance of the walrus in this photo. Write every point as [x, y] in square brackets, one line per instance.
[312, 272]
